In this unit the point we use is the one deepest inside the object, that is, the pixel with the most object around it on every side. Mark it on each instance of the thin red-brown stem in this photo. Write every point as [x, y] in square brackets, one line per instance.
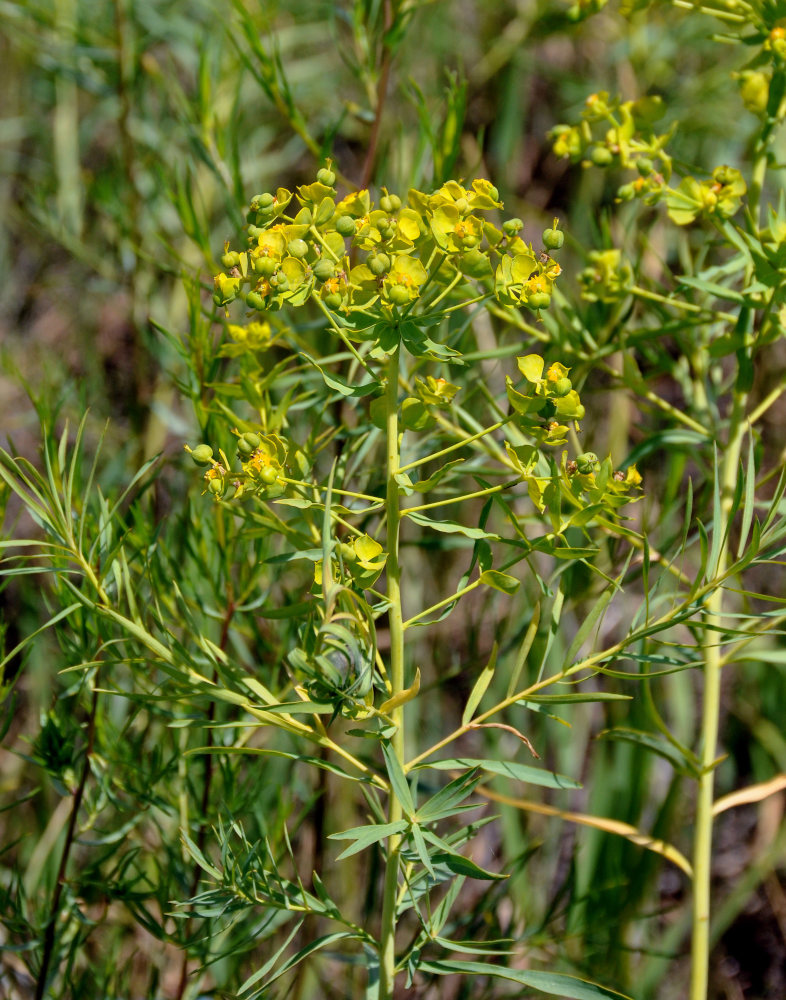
[382, 90]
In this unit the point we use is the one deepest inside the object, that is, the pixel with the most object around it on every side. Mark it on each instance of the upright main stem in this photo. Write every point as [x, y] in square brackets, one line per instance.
[387, 941]
[702, 836]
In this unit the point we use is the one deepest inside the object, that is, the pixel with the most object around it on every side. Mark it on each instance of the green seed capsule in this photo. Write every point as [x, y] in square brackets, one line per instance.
[251, 439]
[553, 239]
[645, 166]
[244, 447]
[262, 200]
[586, 462]
[378, 263]
[512, 226]
[202, 454]
[216, 487]
[268, 475]
[333, 301]
[346, 552]
[562, 387]
[280, 280]
[345, 225]
[297, 248]
[386, 204]
[255, 301]
[323, 269]
[539, 300]
[231, 259]
[326, 177]
[601, 156]
[265, 266]
[398, 295]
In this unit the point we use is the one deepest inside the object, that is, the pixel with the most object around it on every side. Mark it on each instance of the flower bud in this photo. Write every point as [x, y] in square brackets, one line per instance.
[202, 454]
[345, 225]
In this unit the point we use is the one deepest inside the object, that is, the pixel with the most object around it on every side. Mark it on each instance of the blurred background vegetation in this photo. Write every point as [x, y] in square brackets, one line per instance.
[132, 133]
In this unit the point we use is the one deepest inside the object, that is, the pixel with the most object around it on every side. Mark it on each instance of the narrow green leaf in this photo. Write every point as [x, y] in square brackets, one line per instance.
[655, 744]
[398, 780]
[552, 983]
[451, 527]
[365, 836]
[481, 684]
[507, 769]
[593, 620]
[750, 499]
[500, 581]
[524, 649]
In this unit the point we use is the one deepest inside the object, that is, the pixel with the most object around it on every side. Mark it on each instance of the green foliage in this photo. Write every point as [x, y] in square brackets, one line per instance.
[258, 707]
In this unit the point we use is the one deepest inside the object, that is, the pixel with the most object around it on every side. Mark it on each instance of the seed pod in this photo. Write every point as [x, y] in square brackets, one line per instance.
[265, 265]
[398, 295]
[378, 263]
[216, 487]
[333, 301]
[297, 248]
[244, 447]
[255, 301]
[323, 269]
[345, 225]
[587, 462]
[326, 177]
[202, 454]
[268, 475]
[539, 300]
[553, 239]
[251, 439]
[346, 552]
[386, 204]
[230, 259]
[562, 387]
[601, 156]
[512, 226]
[645, 166]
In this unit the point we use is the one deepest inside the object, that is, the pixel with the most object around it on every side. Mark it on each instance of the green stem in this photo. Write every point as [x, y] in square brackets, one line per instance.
[387, 941]
[461, 499]
[713, 663]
